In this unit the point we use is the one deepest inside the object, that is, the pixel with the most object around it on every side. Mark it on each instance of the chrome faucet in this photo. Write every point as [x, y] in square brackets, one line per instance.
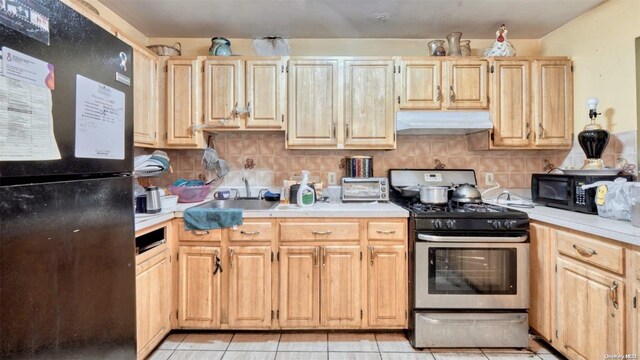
[246, 186]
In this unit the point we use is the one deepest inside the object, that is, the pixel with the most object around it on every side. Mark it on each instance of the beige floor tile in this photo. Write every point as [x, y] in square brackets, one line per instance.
[172, 341]
[507, 351]
[509, 356]
[354, 356]
[425, 355]
[196, 355]
[249, 355]
[458, 354]
[254, 342]
[303, 342]
[538, 347]
[306, 355]
[356, 342]
[551, 357]
[206, 341]
[160, 355]
[395, 342]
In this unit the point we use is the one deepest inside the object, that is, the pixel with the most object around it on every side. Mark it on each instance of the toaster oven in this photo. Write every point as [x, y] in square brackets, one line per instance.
[365, 189]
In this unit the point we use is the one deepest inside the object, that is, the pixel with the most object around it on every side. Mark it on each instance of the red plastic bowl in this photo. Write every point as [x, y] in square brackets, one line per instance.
[189, 194]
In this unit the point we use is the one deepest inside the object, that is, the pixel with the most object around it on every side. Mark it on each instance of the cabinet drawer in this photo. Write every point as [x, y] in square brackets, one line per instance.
[319, 231]
[253, 231]
[591, 250]
[197, 235]
[377, 230]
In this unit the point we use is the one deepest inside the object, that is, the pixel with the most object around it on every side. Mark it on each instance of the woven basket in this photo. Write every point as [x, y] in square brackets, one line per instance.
[166, 50]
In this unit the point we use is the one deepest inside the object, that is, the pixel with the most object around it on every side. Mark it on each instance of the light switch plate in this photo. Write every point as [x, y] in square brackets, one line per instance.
[331, 178]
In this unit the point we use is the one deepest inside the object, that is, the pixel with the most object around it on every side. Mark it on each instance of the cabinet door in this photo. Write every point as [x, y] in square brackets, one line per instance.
[589, 323]
[465, 84]
[314, 113]
[222, 92]
[541, 280]
[145, 110]
[553, 103]
[420, 87]
[266, 92]
[510, 109]
[152, 302]
[299, 287]
[199, 287]
[182, 103]
[249, 286]
[387, 288]
[340, 286]
[369, 113]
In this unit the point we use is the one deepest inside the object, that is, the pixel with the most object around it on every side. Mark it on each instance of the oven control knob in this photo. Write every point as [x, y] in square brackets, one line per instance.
[437, 224]
[449, 224]
[495, 224]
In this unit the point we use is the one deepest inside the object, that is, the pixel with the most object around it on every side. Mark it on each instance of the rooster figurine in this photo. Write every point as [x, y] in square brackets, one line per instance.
[501, 47]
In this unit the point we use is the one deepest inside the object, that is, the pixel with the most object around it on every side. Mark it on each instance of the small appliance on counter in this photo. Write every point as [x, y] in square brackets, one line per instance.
[365, 189]
[565, 191]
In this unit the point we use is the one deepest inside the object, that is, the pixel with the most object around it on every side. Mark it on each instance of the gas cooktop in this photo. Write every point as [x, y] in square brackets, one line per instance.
[452, 209]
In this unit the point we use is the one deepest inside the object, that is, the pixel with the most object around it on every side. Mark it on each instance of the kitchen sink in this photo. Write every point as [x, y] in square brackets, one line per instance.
[244, 204]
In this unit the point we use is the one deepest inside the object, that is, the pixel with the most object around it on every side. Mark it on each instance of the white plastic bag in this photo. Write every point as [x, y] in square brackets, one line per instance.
[613, 198]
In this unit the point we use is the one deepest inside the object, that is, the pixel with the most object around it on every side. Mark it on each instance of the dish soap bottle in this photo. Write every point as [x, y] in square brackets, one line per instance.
[305, 193]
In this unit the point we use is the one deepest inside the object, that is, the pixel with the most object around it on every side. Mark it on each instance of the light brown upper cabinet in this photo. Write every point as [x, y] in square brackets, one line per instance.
[245, 94]
[434, 84]
[183, 93]
[369, 119]
[314, 116]
[531, 105]
[553, 103]
[337, 103]
[145, 100]
[510, 110]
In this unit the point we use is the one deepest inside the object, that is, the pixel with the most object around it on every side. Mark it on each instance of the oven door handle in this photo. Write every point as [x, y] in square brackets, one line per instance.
[472, 239]
[517, 320]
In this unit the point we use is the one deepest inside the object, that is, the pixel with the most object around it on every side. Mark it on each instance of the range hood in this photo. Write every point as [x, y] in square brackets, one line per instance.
[442, 122]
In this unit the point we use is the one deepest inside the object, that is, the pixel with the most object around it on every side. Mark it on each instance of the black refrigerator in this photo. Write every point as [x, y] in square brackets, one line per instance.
[67, 254]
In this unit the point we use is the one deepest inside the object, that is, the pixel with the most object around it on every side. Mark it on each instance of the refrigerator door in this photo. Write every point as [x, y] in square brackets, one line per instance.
[67, 270]
[78, 47]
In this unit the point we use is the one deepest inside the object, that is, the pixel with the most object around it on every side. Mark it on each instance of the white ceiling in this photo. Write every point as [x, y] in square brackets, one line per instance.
[476, 19]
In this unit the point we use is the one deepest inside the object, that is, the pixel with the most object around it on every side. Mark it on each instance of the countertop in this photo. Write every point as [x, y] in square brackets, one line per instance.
[618, 230]
[342, 210]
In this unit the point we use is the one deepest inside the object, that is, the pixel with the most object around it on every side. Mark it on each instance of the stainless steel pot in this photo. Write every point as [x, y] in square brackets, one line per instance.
[466, 193]
[408, 191]
[435, 195]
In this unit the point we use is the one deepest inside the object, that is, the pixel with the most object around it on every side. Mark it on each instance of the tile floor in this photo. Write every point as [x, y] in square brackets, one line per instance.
[323, 346]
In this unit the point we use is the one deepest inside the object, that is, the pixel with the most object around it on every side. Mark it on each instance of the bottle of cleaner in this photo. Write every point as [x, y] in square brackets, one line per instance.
[305, 193]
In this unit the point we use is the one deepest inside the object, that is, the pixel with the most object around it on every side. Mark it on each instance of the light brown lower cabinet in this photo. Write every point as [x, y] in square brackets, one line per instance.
[152, 302]
[198, 287]
[387, 286]
[320, 287]
[542, 280]
[249, 287]
[591, 312]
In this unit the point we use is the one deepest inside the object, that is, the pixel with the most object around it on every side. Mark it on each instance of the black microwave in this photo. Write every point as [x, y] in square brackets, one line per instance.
[565, 191]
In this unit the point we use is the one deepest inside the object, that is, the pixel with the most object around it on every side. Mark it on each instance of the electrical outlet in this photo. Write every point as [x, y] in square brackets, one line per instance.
[331, 178]
[488, 179]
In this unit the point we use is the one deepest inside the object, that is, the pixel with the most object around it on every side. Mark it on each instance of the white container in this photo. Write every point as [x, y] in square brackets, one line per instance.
[335, 193]
[635, 205]
[168, 201]
[306, 195]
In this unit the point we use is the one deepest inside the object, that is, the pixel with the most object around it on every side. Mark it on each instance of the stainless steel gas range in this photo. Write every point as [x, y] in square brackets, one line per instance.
[469, 267]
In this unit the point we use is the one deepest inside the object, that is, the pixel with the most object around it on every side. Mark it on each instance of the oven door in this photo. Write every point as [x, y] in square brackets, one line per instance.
[457, 275]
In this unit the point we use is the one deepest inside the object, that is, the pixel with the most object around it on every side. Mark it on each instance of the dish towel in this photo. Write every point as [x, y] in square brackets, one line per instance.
[207, 218]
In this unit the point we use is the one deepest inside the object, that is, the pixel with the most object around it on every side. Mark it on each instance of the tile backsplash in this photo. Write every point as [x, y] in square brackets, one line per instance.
[273, 163]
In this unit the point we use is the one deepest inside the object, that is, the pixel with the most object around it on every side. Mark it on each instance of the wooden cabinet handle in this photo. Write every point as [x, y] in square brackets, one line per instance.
[613, 294]
[540, 131]
[386, 232]
[528, 130]
[327, 232]
[585, 252]
[200, 232]
[439, 93]
[452, 95]
[231, 253]
[346, 130]
[371, 254]
[249, 232]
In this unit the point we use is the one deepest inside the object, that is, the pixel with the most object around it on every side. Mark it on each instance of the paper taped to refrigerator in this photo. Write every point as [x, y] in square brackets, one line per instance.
[99, 120]
[26, 122]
